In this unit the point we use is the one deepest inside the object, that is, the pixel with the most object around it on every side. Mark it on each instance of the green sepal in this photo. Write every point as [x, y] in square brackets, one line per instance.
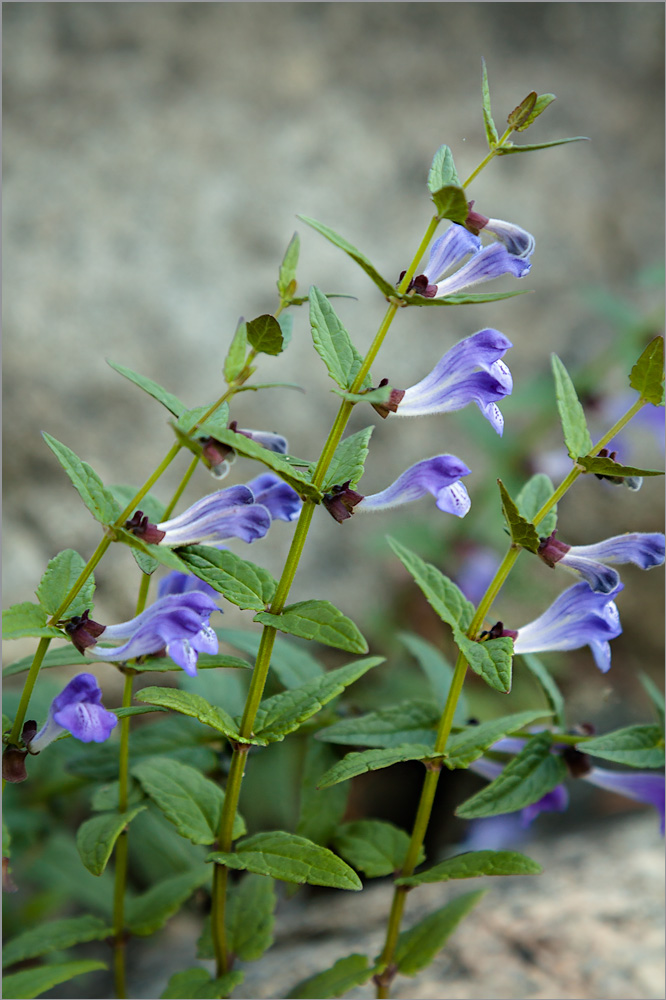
[467, 746]
[339, 241]
[28, 619]
[31, 983]
[344, 975]
[418, 946]
[518, 118]
[548, 686]
[522, 531]
[601, 466]
[60, 575]
[348, 460]
[542, 102]
[189, 800]
[196, 984]
[242, 582]
[96, 837]
[444, 185]
[290, 858]
[195, 706]
[320, 810]
[332, 342]
[163, 396]
[637, 746]
[474, 864]
[510, 147]
[286, 283]
[86, 482]
[265, 334]
[529, 776]
[647, 375]
[576, 435]
[146, 913]
[492, 134]
[234, 362]
[353, 764]
[320, 621]
[373, 846]
[54, 935]
[446, 599]
[412, 721]
[250, 917]
[531, 499]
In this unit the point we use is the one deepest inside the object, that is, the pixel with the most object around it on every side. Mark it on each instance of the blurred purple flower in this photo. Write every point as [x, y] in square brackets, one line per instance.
[77, 710]
[281, 501]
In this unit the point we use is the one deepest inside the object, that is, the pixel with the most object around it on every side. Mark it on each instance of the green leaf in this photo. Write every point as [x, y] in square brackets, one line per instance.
[167, 399]
[353, 764]
[332, 341]
[509, 147]
[418, 946]
[96, 838]
[33, 982]
[343, 976]
[318, 620]
[409, 722]
[441, 593]
[205, 661]
[576, 434]
[320, 810]
[211, 426]
[105, 797]
[349, 459]
[193, 705]
[647, 375]
[62, 657]
[250, 917]
[54, 935]
[467, 746]
[86, 482]
[242, 582]
[445, 187]
[531, 499]
[286, 283]
[540, 105]
[492, 134]
[522, 531]
[525, 779]
[290, 858]
[518, 118]
[473, 864]
[151, 910]
[607, 467]
[235, 359]
[265, 334]
[61, 574]
[189, 800]
[463, 299]
[196, 984]
[286, 322]
[27, 619]
[292, 665]
[490, 659]
[548, 685]
[637, 746]
[436, 668]
[339, 241]
[373, 846]
[655, 696]
[284, 712]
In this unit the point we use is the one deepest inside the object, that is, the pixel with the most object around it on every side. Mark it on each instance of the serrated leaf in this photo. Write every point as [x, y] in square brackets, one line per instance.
[96, 838]
[418, 946]
[290, 858]
[444, 597]
[467, 746]
[492, 134]
[250, 917]
[317, 620]
[409, 722]
[54, 935]
[284, 712]
[353, 764]
[637, 746]
[647, 375]
[196, 984]
[33, 982]
[530, 147]
[490, 659]
[451, 203]
[525, 779]
[601, 466]
[531, 499]
[192, 802]
[445, 187]
[349, 459]
[265, 334]
[655, 696]
[517, 119]
[522, 531]
[320, 810]
[286, 283]
[195, 706]
[339, 241]
[291, 664]
[60, 575]
[473, 864]
[373, 846]
[542, 102]
[548, 685]
[242, 582]
[463, 299]
[86, 482]
[576, 435]
[27, 619]
[438, 671]
[343, 976]
[146, 913]
[332, 342]
[235, 359]
[167, 399]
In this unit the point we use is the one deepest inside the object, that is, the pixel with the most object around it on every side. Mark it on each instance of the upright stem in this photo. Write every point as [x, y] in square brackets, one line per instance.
[121, 849]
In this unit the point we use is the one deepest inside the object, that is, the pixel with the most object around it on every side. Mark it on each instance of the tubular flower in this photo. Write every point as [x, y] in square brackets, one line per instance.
[229, 513]
[590, 561]
[454, 381]
[281, 501]
[220, 457]
[77, 710]
[578, 617]
[439, 476]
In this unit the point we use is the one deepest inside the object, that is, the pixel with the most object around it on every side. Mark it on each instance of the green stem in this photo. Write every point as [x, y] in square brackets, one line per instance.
[486, 160]
[121, 849]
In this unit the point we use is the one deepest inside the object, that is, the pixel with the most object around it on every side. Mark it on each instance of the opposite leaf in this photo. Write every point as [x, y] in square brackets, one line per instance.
[356, 255]
[96, 837]
[60, 576]
[572, 417]
[531, 499]
[290, 858]
[27, 619]
[286, 283]
[151, 910]
[349, 459]
[522, 532]
[473, 864]
[87, 483]
[637, 746]
[372, 846]
[265, 334]
[441, 593]
[347, 973]
[31, 983]
[250, 917]
[647, 375]
[167, 399]
[317, 620]
[354, 764]
[332, 341]
[418, 946]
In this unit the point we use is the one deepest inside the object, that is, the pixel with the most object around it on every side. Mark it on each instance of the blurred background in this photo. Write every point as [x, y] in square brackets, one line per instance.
[155, 159]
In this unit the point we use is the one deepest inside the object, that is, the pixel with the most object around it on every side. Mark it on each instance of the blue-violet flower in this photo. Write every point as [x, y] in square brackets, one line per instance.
[590, 561]
[439, 476]
[228, 513]
[77, 710]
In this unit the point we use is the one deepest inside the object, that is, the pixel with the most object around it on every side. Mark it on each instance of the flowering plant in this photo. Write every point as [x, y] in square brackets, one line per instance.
[182, 765]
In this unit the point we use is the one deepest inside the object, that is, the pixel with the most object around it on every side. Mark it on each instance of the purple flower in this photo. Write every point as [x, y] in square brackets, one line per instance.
[177, 622]
[643, 786]
[578, 617]
[590, 561]
[281, 501]
[220, 457]
[184, 583]
[478, 567]
[229, 513]
[518, 241]
[454, 381]
[77, 710]
[439, 476]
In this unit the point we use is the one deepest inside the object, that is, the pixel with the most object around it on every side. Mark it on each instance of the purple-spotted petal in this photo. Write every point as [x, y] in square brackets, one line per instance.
[491, 262]
[78, 710]
[281, 501]
[439, 476]
[643, 786]
[456, 243]
[230, 513]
